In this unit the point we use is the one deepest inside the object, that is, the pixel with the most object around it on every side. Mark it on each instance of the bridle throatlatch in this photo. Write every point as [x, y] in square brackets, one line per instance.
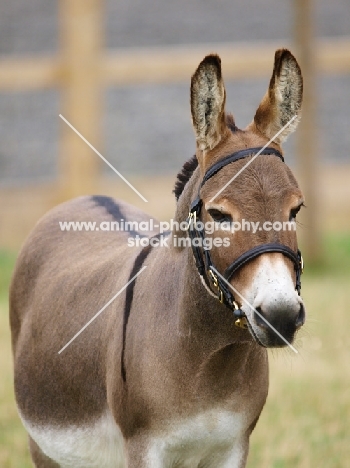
[214, 283]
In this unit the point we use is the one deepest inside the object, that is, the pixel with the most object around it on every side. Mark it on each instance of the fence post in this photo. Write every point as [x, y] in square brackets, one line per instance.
[81, 102]
[307, 141]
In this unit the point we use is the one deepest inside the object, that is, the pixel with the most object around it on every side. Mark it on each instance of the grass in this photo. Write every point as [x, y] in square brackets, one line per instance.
[305, 421]
[14, 451]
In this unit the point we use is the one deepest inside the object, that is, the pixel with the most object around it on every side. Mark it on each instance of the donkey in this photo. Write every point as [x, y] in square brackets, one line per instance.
[164, 378]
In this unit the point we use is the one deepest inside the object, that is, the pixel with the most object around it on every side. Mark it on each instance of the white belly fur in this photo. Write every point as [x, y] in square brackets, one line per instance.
[100, 445]
[213, 437]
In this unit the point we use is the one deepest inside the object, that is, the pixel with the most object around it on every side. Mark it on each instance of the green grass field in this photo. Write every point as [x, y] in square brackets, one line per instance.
[13, 442]
[305, 421]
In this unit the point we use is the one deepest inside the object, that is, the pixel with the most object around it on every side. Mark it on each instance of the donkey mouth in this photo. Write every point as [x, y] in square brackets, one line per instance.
[254, 335]
[271, 338]
[275, 328]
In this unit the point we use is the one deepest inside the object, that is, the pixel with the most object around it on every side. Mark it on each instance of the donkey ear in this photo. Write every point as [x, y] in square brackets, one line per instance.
[283, 99]
[208, 102]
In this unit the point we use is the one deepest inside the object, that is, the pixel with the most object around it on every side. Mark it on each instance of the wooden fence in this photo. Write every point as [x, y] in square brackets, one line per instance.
[83, 68]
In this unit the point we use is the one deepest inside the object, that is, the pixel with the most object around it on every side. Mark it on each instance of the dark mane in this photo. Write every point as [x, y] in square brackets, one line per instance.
[190, 166]
[184, 176]
[230, 122]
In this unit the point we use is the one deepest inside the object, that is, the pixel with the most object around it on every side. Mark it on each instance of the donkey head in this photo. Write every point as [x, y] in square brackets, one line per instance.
[253, 200]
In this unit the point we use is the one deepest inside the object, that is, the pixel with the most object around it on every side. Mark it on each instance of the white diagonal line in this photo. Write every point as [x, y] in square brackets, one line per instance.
[103, 308]
[251, 160]
[254, 310]
[103, 158]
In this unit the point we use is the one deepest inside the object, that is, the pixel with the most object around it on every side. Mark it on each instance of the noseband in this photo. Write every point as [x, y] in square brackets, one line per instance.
[203, 259]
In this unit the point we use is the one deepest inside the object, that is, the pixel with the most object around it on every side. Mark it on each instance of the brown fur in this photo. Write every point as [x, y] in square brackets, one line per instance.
[182, 352]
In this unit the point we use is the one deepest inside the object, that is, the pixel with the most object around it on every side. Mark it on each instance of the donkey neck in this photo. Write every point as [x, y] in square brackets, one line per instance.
[200, 314]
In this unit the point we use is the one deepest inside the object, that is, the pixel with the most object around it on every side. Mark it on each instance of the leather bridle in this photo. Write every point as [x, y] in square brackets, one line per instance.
[214, 282]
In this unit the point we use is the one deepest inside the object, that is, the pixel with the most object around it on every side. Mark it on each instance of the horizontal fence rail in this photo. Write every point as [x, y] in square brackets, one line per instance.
[168, 64]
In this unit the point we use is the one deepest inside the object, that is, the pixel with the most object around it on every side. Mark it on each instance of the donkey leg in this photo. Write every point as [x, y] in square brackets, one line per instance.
[39, 458]
[139, 454]
[237, 458]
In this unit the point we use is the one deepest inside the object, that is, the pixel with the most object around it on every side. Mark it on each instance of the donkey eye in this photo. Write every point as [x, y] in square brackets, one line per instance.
[294, 212]
[220, 217]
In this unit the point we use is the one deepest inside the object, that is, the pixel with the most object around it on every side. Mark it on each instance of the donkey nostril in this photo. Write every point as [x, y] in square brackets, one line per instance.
[279, 320]
[301, 317]
[259, 318]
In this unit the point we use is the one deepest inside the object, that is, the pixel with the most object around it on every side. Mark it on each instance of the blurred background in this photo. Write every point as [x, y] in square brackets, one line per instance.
[120, 71]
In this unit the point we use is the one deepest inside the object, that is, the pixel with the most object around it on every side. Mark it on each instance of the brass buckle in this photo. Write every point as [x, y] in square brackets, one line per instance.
[191, 217]
[221, 296]
[214, 279]
[241, 323]
[215, 282]
[194, 217]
